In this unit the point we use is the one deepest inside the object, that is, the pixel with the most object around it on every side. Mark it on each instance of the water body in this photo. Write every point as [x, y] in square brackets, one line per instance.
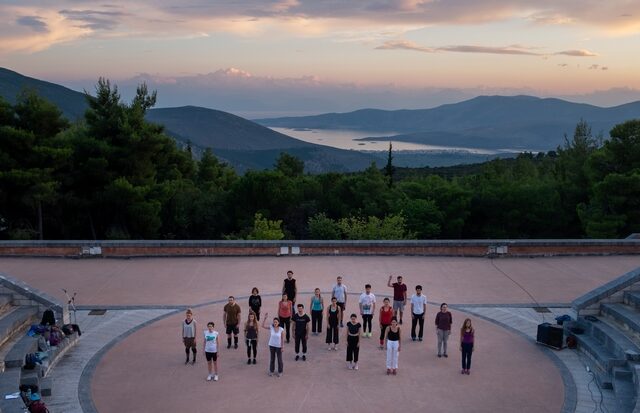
[346, 139]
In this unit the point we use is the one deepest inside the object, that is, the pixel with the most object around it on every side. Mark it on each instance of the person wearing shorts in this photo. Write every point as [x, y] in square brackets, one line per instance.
[211, 343]
[339, 291]
[399, 297]
[231, 318]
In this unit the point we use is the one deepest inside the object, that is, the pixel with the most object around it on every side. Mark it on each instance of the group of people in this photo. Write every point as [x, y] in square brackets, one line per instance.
[292, 319]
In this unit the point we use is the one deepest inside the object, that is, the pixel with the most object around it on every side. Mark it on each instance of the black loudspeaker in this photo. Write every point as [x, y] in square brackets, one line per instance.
[550, 335]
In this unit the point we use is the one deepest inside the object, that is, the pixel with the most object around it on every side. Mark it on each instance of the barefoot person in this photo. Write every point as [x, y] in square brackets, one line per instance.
[211, 343]
[317, 308]
[444, 319]
[255, 302]
[353, 342]
[189, 335]
[339, 291]
[301, 331]
[386, 314]
[251, 336]
[276, 344]
[392, 339]
[467, 341]
[399, 296]
[367, 305]
[231, 319]
[333, 319]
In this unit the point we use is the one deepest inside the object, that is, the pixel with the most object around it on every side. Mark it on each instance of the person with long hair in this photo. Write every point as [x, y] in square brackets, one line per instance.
[251, 336]
[392, 339]
[444, 319]
[211, 344]
[467, 341]
[255, 302]
[353, 342]
[285, 311]
[386, 314]
[189, 335]
[334, 313]
[276, 344]
[317, 307]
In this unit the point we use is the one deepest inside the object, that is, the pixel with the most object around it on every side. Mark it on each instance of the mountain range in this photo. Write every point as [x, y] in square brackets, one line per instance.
[488, 122]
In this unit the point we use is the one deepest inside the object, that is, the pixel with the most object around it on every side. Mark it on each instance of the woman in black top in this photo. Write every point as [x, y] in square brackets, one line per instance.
[255, 302]
[333, 319]
[392, 339]
[251, 336]
[353, 342]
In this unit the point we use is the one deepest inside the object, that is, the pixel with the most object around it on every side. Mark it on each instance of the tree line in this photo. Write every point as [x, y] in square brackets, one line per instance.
[113, 175]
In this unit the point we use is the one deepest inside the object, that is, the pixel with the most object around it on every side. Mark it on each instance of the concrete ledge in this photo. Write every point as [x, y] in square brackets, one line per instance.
[589, 303]
[24, 294]
[475, 248]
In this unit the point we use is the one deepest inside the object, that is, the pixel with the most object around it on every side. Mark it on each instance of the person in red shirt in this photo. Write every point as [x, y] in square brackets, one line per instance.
[285, 311]
[399, 297]
[386, 314]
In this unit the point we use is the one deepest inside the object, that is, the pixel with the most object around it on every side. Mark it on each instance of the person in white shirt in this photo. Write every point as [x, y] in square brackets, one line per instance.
[276, 343]
[418, 308]
[367, 309]
[211, 343]
[339, 291]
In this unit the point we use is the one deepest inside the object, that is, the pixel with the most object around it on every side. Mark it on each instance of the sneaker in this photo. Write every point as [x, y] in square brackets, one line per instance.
[329, 347]
[395, 371]
[228, 345]
[193, 362]
[468, 372]
[400, 323]
[355, 367]
[249, 361]
[270, 374]
[297, 357]
[388, 371]
[463, 371]
[413, 339]
[254, 361]
[186, 362]
[209, 377]
[439, 355]
[304, 358]
[369, 334]
[235, 346]
[445, 354]
[349, 365]
[215, 377]
[419, 338]
[279, 374]
[341, 325]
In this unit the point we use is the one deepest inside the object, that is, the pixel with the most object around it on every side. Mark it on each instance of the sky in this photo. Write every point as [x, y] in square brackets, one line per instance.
[274, 57]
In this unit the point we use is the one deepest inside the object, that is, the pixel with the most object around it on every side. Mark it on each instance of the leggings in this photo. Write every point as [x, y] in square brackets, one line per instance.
[252, 343]
[352, 348]
[275, 352]
[467, 350]
[392, 354]
[332, 334]
[383, 328]
[301, 339]
[285, 322]
[316, 321]
[366, 320]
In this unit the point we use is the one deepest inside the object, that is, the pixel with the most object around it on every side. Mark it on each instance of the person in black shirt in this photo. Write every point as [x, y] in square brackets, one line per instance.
[255, 302]
[301, 331]
[353, 342]
[289, 287]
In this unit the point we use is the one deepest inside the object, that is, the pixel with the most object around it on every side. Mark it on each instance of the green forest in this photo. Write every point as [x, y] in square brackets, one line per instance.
[113, 175]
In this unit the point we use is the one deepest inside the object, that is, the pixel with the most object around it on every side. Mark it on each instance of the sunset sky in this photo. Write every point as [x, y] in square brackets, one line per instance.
[343, 54]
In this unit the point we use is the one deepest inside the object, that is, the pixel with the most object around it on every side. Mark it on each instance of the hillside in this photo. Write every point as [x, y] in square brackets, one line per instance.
[484, 122]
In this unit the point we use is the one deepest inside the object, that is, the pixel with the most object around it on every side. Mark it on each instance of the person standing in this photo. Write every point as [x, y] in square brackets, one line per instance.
[444, 319]
[317, 307]
[231, 318]
[467, 342]
[399, 296]
[189, 335]
[386, 314]
[367, 304]
[301, 331]
[289, 287]
[251, 336]
[211, 343]
[333, 316]
[285, 311]
[276, 344]
[339, 291]
[418, 310]
[353, 342]
[392, 339]
[255, 302]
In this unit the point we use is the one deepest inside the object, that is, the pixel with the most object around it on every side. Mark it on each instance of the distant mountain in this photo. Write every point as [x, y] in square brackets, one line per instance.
[244, 144]
[483, 122]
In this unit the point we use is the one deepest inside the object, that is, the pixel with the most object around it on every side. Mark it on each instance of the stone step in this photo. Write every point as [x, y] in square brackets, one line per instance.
[613, 338]
[604, 359]
[25, 345]
[10, 383]
[15, 320]
[5, 302]
[625, 315]
[625, 395]
[632, 298]
[622, 373]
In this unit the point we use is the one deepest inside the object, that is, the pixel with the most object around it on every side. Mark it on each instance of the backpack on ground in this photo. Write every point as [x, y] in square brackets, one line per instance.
[30, 361]
[38, 407]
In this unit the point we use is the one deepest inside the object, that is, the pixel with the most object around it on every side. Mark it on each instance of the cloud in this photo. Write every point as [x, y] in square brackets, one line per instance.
[94, 19]
[593, 67]
[404, 45]
[604, 68]
[563, 64]
[509, 50]
[34, 22]
[577, 53]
